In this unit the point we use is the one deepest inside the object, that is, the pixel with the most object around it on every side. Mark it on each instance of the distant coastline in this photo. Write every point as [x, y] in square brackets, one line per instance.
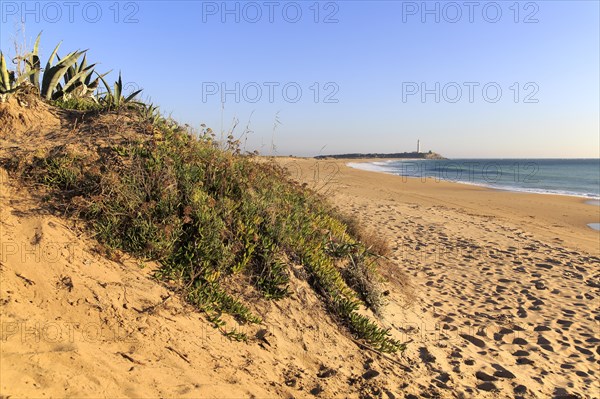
[570, 177]
[398, 155]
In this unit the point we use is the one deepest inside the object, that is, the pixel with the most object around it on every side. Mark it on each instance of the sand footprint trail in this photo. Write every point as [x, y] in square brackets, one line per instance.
[511, 314]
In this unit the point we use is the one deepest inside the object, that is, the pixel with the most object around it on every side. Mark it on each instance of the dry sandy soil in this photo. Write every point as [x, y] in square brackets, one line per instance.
[75, 324]
[504, 301]
[511, 281]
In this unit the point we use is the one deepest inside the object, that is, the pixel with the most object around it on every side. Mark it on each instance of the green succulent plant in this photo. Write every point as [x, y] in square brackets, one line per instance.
[53, 73]
[8, 81]
[33, 65]
[114, 99]
[77, 78]
[78, 82]
[151, 113]
[66, 80]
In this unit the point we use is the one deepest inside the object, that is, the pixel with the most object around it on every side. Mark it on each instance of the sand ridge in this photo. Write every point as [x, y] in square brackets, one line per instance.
[76, 324]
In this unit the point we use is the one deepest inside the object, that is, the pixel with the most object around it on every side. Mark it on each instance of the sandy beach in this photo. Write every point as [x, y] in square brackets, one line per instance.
[554, 217]
[353, 200]
[154, 243]
[506, 284]
[502, 302]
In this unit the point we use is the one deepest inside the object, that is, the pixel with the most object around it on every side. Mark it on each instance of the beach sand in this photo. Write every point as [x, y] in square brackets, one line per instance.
[503, 302]
[506, 284]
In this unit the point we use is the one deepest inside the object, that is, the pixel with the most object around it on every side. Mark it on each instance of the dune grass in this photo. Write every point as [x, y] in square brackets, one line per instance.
[213, 218]
[210, 217]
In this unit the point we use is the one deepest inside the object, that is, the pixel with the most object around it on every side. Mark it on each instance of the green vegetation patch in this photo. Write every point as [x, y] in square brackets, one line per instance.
[211, 217]
[214, 219]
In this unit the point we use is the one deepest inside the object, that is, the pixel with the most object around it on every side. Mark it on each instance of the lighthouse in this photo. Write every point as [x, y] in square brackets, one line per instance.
[418, 146]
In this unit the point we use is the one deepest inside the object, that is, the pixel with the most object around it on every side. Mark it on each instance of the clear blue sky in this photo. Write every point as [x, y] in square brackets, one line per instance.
[370, 61]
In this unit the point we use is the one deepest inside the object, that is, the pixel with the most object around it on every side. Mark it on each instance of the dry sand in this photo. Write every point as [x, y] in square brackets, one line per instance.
[505, 303]
[507, 284]
[75, 324]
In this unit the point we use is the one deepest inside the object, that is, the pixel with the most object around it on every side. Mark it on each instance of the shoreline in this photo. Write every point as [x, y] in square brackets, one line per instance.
[591, 200]
[552, 216]
[505, 288]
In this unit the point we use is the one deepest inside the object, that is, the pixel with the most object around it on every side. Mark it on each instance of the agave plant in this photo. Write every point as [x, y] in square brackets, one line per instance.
[151, 113]
[77, 78]
[53, 74]
[78, 82]
[8, 81]
[114, 99]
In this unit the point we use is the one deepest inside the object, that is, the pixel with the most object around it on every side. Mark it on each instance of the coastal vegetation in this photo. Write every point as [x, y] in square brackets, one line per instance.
[218, 221]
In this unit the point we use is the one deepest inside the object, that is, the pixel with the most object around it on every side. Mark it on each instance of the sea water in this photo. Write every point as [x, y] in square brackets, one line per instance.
[575, 177]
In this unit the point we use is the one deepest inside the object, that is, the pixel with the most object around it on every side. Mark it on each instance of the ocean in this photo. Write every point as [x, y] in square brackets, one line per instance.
[574, 177]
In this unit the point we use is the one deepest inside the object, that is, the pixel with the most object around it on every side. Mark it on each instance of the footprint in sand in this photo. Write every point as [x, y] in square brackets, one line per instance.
[544, 343]
[538, 302]
[565, 324]
[584, 351]
[475, 341]
[456, 353]
[524, 361]
[483, 376]
[501, 372]
[519, 341]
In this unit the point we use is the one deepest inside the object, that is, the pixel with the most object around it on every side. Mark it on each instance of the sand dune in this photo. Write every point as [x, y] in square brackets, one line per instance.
[504, 304]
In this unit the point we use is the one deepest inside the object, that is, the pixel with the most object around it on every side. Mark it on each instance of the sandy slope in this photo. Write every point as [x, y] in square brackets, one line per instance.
[512, 280]
[505, 300]
[496, 300]
[75, 324]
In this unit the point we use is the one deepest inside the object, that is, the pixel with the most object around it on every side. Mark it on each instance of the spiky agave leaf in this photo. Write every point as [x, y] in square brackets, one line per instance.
[9, 82]
[71, 71]
[83, 64]
[118, 91]
[78, 79]
[108, 97]
[114, 99]
[53, 74]
[33, 64]
[74, 86]
[129, 98]
[5, 85]
[51, 59]
[132, 96]
[75, 68]
[93, 85]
